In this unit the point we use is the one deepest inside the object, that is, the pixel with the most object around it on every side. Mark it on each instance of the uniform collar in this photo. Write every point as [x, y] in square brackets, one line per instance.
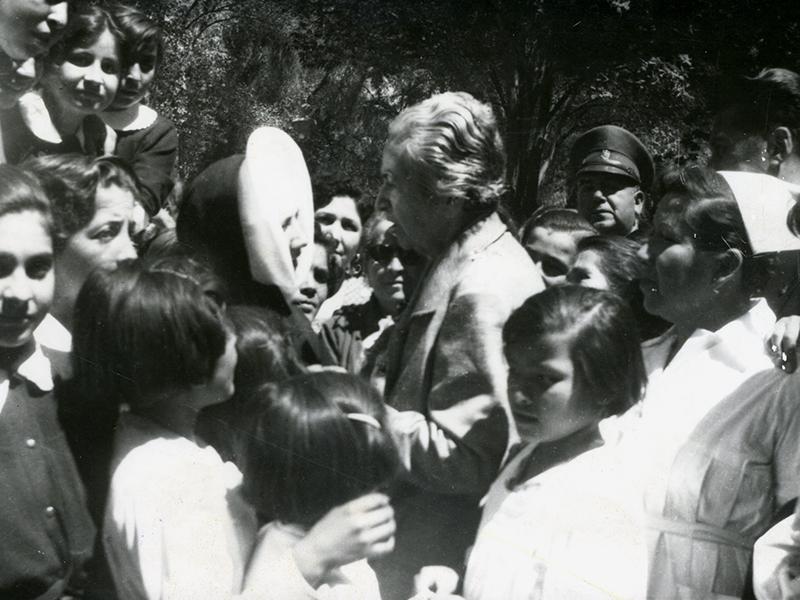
[37, 118]
[34, 369]
[133, 119]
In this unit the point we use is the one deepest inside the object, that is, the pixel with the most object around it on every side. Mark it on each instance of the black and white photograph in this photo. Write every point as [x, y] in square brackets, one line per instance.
[399, 300]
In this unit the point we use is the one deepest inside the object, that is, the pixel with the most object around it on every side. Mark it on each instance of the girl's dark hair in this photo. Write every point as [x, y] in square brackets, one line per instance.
[712, 215]
[264, 355]
[604, 342]
[302, 455]
[71, 182]
[326, 186]
[20, 191]
[140, 33]
[86, 24]
[264, 352]
[620, 261]
[147, 330]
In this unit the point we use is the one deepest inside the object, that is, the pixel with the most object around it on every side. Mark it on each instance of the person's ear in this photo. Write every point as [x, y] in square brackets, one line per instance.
[728, 265]
[638, 201]
[781, 144]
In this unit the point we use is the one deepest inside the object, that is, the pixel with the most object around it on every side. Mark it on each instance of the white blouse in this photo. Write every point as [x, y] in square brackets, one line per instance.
[569, 532]
[175, 526]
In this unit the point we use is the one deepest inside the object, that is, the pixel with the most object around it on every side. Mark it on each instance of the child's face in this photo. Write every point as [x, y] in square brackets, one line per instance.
[88, 78]
[136, 81]
[586, 271]
[552, 252]
[314, 290]
[542, 391]
[26, 276]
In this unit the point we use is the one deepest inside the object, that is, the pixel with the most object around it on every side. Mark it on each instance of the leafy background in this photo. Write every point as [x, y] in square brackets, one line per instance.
[335, 72]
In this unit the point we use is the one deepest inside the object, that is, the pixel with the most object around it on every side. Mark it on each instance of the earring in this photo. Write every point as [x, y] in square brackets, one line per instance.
[354, 269]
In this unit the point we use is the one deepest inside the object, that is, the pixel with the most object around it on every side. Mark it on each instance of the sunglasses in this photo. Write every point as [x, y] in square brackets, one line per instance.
[385, 253]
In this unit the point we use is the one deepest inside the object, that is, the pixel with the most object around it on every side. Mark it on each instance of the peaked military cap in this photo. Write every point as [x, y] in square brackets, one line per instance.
[612, 149]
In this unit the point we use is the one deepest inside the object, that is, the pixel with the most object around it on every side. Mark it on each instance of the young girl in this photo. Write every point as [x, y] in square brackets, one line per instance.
[155, 338]
[81, 76]
[264, 356]
[554, 523]
[145, 139]
[309, 444]
[42, 505]
[615, 263]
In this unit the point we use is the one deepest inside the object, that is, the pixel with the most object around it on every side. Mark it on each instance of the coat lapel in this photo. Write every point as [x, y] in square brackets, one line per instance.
[417, 329]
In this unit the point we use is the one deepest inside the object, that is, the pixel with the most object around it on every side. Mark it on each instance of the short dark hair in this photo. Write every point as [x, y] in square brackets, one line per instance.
[146, 330]
[302, 455]
[140, 33]
[711, 213]
[20, 191]
[565, 220]
[768, 100]
[264, 355]
[71, 182]
[325, 187]
[605, 346]
[86, 24]
[620, 261]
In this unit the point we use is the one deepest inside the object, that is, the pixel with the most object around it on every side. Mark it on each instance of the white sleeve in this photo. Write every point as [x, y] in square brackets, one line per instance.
[773, 552]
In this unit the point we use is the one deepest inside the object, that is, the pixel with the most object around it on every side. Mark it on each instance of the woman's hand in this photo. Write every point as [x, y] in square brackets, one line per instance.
[435, 582]
[782, 343]
[362, 528]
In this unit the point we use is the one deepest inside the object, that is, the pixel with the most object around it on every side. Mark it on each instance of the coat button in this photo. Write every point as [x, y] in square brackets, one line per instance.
[50, 511]
[30, 443]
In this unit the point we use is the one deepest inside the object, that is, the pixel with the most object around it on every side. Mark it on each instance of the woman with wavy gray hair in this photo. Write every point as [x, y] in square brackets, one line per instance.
[443, 177]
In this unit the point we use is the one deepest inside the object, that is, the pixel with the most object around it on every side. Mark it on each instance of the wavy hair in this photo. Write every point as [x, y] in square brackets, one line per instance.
[452, 146]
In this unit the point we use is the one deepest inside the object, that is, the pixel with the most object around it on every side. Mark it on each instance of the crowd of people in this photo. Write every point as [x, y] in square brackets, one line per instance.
[286, 389]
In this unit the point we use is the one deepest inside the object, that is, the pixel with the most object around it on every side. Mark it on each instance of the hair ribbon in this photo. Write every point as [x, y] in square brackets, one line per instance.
[361, 417]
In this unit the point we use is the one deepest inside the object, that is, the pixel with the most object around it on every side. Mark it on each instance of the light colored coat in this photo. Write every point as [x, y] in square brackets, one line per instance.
[446, 381]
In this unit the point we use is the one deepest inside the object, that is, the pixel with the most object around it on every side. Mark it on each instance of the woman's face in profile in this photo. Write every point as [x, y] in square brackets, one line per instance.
[679, 277]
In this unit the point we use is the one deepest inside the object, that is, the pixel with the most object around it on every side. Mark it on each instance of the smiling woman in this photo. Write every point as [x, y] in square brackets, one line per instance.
[81, 77]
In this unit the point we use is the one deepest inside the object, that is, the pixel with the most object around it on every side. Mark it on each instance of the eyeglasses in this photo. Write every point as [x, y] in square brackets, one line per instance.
[385, 253]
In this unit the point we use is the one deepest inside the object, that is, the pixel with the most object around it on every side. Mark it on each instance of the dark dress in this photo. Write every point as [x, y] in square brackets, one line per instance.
[47, 532]
[19, 142]
[151, 152]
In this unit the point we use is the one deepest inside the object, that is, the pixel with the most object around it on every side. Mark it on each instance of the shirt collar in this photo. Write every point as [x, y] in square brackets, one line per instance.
[36, 369]
[140, 117]
[37, 118]
[52, 334]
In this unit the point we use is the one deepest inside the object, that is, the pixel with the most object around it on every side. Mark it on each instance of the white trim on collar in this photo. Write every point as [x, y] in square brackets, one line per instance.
[37, 118]
[35, 368]
[141, 117]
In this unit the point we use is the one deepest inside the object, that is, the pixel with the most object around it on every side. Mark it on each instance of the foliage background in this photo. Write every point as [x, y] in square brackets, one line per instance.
[335, 72]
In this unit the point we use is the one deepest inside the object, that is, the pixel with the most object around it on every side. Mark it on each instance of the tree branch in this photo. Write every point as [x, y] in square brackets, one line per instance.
[207, 26]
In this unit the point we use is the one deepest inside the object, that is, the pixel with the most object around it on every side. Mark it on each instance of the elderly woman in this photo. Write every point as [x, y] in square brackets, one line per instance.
[443, 176]
[717, 438]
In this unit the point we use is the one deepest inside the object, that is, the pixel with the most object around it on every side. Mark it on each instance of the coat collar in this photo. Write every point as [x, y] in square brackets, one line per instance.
[438, 280]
